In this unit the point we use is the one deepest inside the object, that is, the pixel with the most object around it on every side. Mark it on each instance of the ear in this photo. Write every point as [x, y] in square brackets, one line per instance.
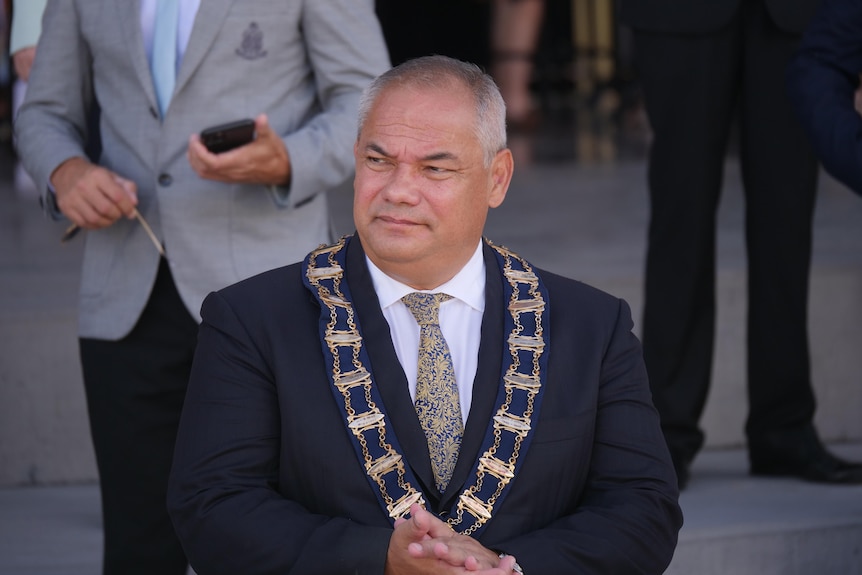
[502, 168]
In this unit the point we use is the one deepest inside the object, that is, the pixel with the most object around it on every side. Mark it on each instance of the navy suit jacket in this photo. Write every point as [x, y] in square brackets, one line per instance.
[821, 81]
[265, 479]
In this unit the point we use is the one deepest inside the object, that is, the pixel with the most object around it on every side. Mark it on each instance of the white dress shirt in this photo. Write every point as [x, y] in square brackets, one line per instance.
[460, 322]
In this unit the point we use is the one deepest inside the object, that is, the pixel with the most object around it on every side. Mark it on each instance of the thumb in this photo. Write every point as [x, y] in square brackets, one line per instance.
[128, 186]
[262, 127]
[419, 523]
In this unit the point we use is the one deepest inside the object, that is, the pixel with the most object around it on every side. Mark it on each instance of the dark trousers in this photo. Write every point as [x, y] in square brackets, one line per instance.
[135, 390]
[695, 88]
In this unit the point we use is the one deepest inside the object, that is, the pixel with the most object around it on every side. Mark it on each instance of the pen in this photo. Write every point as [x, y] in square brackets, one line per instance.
[73, 230]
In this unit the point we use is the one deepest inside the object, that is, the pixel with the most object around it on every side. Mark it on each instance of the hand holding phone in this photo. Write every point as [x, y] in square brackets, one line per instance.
[224, 137]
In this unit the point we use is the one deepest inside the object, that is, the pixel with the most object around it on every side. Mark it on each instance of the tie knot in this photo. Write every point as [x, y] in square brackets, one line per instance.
[425, 307]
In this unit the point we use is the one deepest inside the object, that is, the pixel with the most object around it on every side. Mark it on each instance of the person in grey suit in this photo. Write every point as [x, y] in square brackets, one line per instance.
[297, 68]
[310, 442]
[711, 69]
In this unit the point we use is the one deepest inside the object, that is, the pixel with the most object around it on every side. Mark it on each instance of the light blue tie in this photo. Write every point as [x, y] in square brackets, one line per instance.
[437, 403]
[164, 61]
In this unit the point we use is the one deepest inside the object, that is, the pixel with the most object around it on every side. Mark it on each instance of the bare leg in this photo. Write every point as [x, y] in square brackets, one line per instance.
[514, 36]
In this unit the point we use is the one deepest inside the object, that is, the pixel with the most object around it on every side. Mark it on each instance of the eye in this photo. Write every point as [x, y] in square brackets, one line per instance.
[437, 170]
[376, 162]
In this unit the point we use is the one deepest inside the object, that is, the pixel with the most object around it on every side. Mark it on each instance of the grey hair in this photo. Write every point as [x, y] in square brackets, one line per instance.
[436, 71]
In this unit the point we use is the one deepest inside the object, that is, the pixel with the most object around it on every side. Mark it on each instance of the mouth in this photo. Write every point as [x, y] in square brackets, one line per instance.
[392, 220]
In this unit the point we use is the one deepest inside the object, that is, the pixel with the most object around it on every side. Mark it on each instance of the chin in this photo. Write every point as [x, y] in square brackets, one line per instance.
[397, 254]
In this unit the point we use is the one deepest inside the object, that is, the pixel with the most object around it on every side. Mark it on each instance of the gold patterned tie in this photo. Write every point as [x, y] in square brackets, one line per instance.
[437, 403]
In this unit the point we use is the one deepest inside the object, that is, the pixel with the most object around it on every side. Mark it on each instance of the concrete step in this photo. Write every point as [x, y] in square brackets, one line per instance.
[734, 524]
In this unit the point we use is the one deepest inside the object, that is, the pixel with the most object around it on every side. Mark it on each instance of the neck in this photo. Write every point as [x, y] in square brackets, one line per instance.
[424, 277]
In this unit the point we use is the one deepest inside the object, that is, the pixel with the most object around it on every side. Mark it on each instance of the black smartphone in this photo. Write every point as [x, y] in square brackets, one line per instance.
[228, 136]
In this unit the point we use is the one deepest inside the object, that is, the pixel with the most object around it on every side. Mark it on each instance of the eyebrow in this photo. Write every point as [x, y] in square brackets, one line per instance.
[429, 158]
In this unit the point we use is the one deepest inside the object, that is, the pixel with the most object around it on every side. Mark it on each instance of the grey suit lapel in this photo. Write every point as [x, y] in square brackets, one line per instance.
[130, 26]
[208, 23]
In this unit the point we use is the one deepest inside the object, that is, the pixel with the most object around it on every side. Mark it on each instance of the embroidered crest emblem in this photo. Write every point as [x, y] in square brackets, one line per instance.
[251, 47]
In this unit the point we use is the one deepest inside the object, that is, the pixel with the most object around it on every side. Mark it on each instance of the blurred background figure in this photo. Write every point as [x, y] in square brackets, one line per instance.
[709, 70]
[23, 37]
[414, 29]
[515, 29]
[6, 74]
[823, 80]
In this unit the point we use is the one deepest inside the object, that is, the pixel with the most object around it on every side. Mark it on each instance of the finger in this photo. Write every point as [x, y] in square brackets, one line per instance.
[507, 564]
[416, 550]
[95, 200]
[202, 161]
[198, 150]
[472, 564]
[114, 196]
[262, 127]
[128, 204]
[437, 527]
[420, 521]
[431, 524]
[84, 216]
[433, 549]
[91, 212]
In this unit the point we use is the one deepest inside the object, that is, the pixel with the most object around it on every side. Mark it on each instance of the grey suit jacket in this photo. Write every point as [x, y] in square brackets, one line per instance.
[303, 62]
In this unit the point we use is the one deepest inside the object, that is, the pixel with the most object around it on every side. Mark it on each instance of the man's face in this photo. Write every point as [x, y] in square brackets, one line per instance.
[422, 190]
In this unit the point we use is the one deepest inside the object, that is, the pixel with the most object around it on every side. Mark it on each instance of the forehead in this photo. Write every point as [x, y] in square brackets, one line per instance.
[422, 114]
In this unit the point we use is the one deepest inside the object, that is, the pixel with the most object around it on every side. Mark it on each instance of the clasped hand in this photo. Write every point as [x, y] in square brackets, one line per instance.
[423, 544]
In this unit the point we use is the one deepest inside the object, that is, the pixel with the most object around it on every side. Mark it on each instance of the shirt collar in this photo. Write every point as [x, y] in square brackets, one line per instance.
[468, 285]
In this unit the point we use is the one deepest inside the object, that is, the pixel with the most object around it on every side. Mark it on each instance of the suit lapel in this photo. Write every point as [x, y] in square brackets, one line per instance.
[386, 369]
[130, 25]
[487, 381]
[208, 23]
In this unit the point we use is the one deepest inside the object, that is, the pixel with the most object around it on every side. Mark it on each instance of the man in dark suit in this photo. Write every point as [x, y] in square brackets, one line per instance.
[706, 67]
[300, 449]
[823, 80]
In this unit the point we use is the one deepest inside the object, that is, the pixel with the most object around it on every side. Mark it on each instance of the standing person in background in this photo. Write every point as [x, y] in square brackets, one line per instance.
[161, 75]
[413, 28]
[702, 66]
[823, 80]
[515, 30]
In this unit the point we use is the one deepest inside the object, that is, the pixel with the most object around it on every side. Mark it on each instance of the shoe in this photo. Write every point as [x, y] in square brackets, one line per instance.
[803, 456]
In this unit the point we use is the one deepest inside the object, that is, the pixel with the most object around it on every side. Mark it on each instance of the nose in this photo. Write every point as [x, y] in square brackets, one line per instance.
[403, 186]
